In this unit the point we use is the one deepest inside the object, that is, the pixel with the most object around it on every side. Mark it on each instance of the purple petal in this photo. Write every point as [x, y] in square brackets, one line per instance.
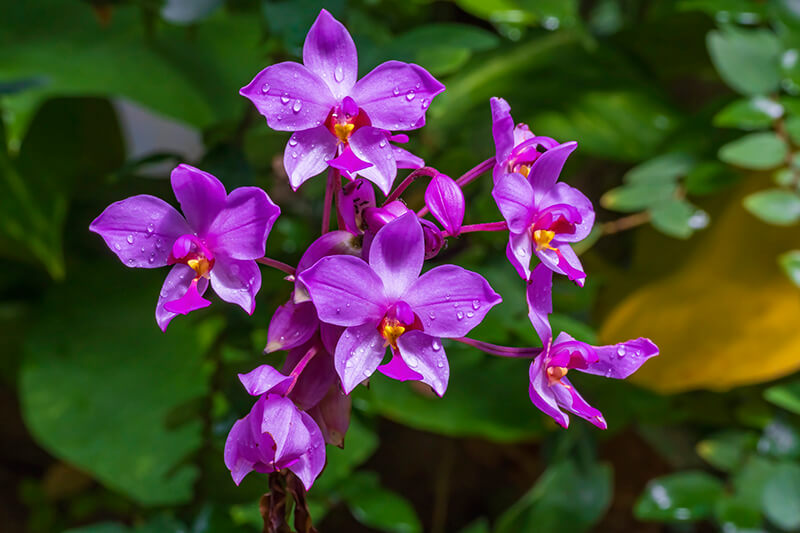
[175, 286]
[201, 195]
[348, 163]
[358, 354]
[445, 200]
[330, 53]
[545, 170]
[562, 193]
[291, 325]
[307, 154]
[563, 261]
[540, 301]
[353, 199]
[541, 393]
[192, 300]
[405, 159]
[502, 128]
[330, 335]
[522, 133]
[140, 230]
[425, 355]
[450, 301]
[309, 466]
[434, 240]
[264, 379]
[332, 243]
[396, 95]
[370, 145]
[397, 369]
[315, 379]
[345, 291]
[514, 197]
[291, 97]
[397, 254]
[570, 353]
[332, 415]
[619, 361]
[282, 421]
[569, 399]
[241, 452]
[239, 230]
[519, 252]
[236, 282]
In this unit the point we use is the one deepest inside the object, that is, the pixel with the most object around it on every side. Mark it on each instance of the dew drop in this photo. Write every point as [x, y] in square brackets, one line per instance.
[152, 258]
[338, 310]
[470, 314]
[285, 98]
[163, 293]
[347, 305]
[396, 91]
[158, 244]
[366, 373]
[436, 345]
[440, 364]
[118, 247]
[382, 143]
[129, 238]
[410, 95]
[338, 73]
[141, 249]
[447, 296]
[431, 315]
[294, 155]
[131, 261]
[425, 103]
[460, 315]
[265, 88]
[416, 86]
[292, 142]
[349, 363]
[621, 351]
[476, 304]
[150, 229]
[297, 106]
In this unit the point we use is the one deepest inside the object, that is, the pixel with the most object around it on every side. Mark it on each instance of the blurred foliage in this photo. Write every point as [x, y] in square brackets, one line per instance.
[687, 115]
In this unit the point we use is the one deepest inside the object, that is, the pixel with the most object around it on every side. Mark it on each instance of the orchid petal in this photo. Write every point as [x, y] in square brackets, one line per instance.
[239, 231]
[445, 201]
[619, 361]
[397, 253]
[330, 335]
[562, 193]
[140, 230]
[353, 199]
[425, 355]
[175, 286]
[369, 144]
[450, 301]
[502, 129]
[192, 300]
[540, 301]
[331, 243]
[236, 282]
[397, 369]
[291, 325]
[307, 154]
[514, 197]
[569, 399]
[546, 169]
[345, 291]
[332, 415]
[541, 392]
[396, 95]
[201, 195]
[241, 451]
[290, 96]
[265, 379]
[330, 53]
[358, 353]
[282, 421]
[315, 378]
[563, 260]
[309, 465]
[348, 163]
[519, 252]
[405, 159]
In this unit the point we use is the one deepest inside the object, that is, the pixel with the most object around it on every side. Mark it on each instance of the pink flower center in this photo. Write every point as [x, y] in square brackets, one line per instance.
[192, 252]
[398, 319]
[345, 119]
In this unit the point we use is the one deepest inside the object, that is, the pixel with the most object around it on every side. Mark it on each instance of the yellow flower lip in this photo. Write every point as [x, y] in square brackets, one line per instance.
[555, 373]
[201, 266]
[542, 238]
[343, 131]
[391, 329]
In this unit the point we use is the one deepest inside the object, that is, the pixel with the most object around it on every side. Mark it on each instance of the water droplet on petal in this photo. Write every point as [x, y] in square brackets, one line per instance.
[285, 98]
[158, 244]
[338, 310]
[396, 91]
[416, 86]
[141, 249]
[411, 361]
[292, 142]
[447, 296]
[440, 364]
[436, 345]
[460, 315]
[349, 363]
[621, 351]
[131, 261]
[129, 238]
[118, 247]
[476, 304]
[150, 229]
[410, 95]
[265, 88]
[294, 155]
[431, 315]
[338, 73]
[297, 106]
[425, 103]
[382, 143]
[470, 314]
[366, 373]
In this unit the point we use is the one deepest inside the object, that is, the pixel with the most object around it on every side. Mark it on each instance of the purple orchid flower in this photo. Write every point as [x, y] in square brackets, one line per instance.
[549, 388]
[386, 303]
[273, 436]
[337, 120]
[217, 241]
[543, 216]
[445, 200]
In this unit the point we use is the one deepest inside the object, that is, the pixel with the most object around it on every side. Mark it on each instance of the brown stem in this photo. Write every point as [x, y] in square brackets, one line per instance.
[625, 223]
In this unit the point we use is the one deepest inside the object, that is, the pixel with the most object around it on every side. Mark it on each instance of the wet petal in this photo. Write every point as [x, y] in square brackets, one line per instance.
[358, 353]
[241, 451]
[175, 286]
[264, 379]
[396, 95]
[502, 128]
[569, 399]
[562, 193]
[240, 230]
[332, 243]
[345, 291]
[236, 281]
[354, 197]
[192, 300]
[330, 53]
[541, 393]
[514, 197]
[201, 195]
[140, 230]
[282, 421]
[397, 369]
[370, 145]
[446, 203]
[450, 301]
[290, 96]
[348, 163]
[291, 325]
[519, 252]
[546, 169]
[564, 261]
[309, 466]
[540, 301]
[619, 361]
[425, 355]
[397, 253]
[307, 154]
[405, 159]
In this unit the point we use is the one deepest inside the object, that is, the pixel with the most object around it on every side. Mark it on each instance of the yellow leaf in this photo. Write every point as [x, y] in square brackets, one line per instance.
[727, 316]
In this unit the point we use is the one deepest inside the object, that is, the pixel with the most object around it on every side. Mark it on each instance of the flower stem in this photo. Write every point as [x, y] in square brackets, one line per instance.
[274, 263]
[625, 223]
[424, 171]
[500, 351]
[476, 171]
[301, 364]
[330, 192]
[486, 226]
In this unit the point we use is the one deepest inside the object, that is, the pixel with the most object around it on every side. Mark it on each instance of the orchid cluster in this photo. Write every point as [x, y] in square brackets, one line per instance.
[359, 292]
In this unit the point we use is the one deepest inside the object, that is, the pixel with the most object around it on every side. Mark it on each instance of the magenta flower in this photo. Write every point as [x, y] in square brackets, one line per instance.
[549, 389]
[273, 436]
[386, 303]
[337, 120]
[543, 216]
[217, 241]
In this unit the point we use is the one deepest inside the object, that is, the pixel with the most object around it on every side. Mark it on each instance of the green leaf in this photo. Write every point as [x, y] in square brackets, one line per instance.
[791, 105]
[678, 218]
[750, 480]
[780, 440]
[757, 151]
[664, 168]
[749, 114]
[726, 451]
[792, 125]
[104, 389]
[774, 206]
[709, 177]
[787, 395]
[737, 514]
[564, 498]
[629, 198]
[377, 507]
[685, 496]
[748, 60]
[781, 499]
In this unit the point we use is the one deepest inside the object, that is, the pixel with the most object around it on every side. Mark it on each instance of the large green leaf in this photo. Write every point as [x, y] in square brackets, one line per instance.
[102, 388]
[759, 151]
[685, 496]
[775, 206]
[748, 60]
[781, 498]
